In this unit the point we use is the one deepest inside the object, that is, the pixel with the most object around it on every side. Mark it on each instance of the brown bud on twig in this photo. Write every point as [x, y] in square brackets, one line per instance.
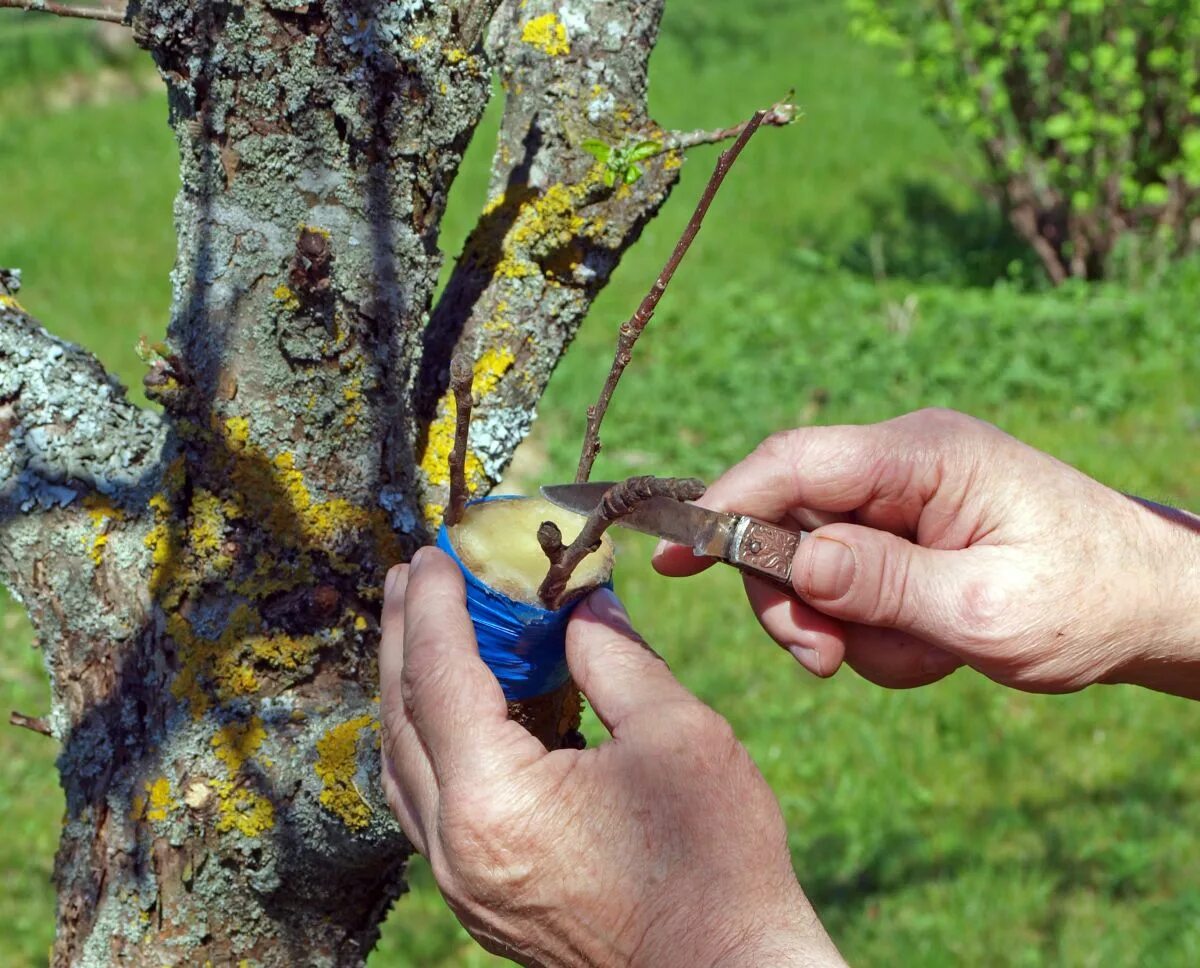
[618, 501]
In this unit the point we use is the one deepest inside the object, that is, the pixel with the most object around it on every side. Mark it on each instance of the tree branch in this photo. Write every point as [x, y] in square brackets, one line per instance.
[552, 232]
[66, 427]
[66, 10]
[618, 501]
[36, 724]
[778, 115]
[633, 327]
[461, 378]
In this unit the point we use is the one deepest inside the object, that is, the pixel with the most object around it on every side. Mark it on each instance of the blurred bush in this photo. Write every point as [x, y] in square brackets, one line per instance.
[1085, 112]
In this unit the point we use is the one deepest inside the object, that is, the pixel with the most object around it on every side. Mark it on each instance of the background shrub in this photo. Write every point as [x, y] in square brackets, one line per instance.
[1085, 112]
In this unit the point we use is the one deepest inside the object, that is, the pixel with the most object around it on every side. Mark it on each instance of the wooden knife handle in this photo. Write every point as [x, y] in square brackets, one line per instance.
[765, 549]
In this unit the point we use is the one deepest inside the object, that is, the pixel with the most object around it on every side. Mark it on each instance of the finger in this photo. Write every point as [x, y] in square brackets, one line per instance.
[826, 468]
[678, 561]
[613, 667]
[408, 779]
[876, 578]
[455, 703]
[816, 641]
[896, 660]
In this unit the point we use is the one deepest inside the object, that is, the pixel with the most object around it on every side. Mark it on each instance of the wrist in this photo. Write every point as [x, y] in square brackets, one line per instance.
[1164, 631]
[782, 931]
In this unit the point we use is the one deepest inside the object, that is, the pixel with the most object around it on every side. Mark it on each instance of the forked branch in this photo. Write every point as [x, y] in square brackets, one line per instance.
[618, 501]
[633, 327]
[105, 14]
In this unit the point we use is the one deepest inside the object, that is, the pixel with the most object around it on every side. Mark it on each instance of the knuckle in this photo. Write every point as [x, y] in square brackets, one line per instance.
[991, 611]
[892, 606]
[419, 678]
[778, 448]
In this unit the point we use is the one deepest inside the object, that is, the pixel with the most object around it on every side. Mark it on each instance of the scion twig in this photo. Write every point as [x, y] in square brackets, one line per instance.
[66, 10]
[618, 501]
[632, 328]
[461, 379]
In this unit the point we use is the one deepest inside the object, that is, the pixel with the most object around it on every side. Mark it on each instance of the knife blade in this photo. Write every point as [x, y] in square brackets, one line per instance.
[738, 539]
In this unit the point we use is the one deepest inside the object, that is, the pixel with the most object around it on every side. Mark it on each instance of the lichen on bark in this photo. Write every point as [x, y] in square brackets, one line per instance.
[205, 581]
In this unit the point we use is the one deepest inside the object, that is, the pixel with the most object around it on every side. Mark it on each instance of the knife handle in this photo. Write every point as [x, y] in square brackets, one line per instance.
[764, 549]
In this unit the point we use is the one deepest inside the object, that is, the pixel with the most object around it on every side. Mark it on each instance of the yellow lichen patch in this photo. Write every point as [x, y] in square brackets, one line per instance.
[209, 515]
[352, 394]
[672, 160]
[235, 743]
[337, 763]
[213, 669]
[160, 799]
[418, 41]
[243, 810]
[285, 651]
[434, 513]
[286, 298]
[154, 803]
[439, 442]
[548, 34]
[499, 321]
[455, 54]
[360, 623]
[237, 432]
[547, 230]
[101, 512]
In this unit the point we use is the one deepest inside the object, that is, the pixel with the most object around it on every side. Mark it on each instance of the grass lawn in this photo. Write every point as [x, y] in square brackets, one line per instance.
[845, 274]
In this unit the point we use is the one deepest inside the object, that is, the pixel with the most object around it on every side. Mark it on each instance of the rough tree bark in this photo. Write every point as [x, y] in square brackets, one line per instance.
[205, 582]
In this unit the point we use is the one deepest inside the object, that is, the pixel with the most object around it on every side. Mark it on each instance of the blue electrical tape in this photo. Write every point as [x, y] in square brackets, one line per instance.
[524, 645]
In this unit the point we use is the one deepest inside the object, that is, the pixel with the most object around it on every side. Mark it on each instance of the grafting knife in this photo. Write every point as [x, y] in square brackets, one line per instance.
[745, 542]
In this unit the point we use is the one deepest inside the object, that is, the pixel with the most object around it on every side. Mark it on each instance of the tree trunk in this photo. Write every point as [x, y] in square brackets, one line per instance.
[205, 582]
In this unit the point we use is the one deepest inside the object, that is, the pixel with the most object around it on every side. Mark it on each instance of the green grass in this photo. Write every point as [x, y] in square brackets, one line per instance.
[846, 273]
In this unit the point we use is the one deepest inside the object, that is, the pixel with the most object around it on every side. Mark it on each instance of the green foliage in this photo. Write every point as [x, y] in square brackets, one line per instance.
[961, 823]
[621, 161]
[1086, 111]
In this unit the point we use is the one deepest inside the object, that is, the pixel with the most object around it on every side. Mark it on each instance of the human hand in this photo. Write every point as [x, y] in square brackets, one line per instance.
[940, 541]
[663, 846]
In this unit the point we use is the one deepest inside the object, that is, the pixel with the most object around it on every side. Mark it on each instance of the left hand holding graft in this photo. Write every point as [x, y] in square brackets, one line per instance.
[663, 846]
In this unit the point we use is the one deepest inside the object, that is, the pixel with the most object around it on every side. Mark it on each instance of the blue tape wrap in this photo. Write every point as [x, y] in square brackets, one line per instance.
[524, 645]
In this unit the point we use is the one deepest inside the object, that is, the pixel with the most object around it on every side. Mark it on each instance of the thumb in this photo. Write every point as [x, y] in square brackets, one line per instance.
[872, 577]
[613, 666]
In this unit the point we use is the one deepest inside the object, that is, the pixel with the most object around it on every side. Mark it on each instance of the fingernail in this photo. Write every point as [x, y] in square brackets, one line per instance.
[809, 658]
[830, 569]
[416, 561]
[608, 608]
[393, 576]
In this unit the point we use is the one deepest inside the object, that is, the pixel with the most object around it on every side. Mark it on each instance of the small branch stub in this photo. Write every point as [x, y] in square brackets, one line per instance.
[461, 379]
[35, 724]
[633, 327]
[619, 500]
[66, 10]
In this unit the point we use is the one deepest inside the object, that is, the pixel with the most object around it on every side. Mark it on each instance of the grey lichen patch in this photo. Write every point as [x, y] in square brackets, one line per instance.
[66, 429]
